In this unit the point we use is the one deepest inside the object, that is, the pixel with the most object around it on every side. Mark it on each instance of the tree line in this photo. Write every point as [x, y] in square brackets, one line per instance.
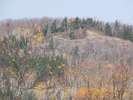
[115, 29]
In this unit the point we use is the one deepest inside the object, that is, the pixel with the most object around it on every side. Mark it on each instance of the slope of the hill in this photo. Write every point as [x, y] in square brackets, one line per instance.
[94, 47]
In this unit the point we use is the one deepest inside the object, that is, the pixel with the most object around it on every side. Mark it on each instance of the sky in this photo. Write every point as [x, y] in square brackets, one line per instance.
[103, 10]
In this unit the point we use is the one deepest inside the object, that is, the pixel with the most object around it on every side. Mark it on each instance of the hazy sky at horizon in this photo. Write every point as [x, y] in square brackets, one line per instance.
[103, 10]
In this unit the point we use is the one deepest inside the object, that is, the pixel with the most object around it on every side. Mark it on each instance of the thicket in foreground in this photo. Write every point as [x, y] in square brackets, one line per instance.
[22, 72]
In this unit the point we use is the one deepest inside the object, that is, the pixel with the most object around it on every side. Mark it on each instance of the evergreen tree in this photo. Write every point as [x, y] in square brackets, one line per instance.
[117, 30]
[90, 22]
[77, 23]
[53, 27]
[108, 29]
[76, 51]
[126, 33]
[22, 42]
[63, 25]
[75, 55]
[131, 30]
[13, 38]
[131, 38]
[51, 44]
[83, 23]
[45, 29]
[72, 35]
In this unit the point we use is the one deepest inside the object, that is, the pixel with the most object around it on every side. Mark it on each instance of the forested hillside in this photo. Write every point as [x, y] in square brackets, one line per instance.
[116, 29]
[65, 59]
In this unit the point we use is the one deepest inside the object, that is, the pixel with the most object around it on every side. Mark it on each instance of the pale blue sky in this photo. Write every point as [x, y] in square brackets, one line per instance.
[104, 10]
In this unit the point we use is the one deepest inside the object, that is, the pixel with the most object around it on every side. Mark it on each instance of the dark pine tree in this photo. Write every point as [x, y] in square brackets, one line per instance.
[53, 27]
[126, 33]
[77, 23]
[51, 44]
[63, 25]
[131, 38]
[45, 29]
[117, 30]
[83, 23]
[108, 29]
[90, 22]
